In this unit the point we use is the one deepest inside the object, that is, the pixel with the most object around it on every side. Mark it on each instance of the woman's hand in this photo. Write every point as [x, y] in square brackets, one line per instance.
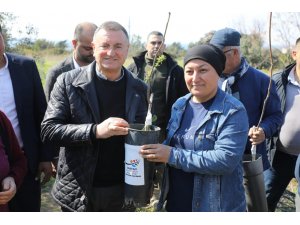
[8, 190]
[156, 152]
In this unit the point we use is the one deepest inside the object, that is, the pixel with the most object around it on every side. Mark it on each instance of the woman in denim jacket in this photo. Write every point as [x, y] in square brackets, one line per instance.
[207, 134]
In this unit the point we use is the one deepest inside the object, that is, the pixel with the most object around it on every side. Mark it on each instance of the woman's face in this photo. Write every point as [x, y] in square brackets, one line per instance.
[201, 79]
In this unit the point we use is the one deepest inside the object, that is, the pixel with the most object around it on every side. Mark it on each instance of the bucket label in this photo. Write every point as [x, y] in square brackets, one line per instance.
[134, 165]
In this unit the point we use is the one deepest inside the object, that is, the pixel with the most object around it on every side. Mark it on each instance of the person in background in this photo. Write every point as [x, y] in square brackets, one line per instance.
[206, 139]
[23, 101]
[89, 114]
[166, 83]
[286, 144]
[82, 55]
[250, 86]
[13, 164]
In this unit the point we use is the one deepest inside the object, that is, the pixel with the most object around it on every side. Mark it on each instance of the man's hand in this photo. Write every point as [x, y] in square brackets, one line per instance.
[45, 168]
[8, 190]
[111, 127]
[257, 135]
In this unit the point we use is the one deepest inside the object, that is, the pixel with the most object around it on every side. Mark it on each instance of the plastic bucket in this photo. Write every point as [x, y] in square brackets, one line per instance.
[139, 172]
[254, 183]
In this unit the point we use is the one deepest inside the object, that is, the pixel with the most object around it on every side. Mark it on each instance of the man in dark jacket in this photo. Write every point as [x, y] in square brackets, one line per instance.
[82, 55]
[166, 83]
[286, 144]
[250, 86]
[23, 101]
[88, 114]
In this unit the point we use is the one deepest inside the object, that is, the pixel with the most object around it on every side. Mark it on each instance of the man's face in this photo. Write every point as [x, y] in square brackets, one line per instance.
[83, 50]
[296, 54]
[110, 51]
[152, 46]
[230, 54]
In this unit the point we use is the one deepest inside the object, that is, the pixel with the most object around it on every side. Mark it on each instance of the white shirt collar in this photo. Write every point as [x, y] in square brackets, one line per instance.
[76, 65]
[291, 77]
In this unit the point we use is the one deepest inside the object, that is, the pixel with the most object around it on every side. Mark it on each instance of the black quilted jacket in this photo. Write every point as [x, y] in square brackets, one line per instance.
[71, 112]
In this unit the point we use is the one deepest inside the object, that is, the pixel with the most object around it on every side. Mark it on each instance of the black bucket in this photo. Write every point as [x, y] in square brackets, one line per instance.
[139, 172]
[254, 183]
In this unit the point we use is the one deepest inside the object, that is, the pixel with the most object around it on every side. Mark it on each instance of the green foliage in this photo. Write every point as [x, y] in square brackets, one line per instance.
[160, 59]
[176, 50]
[252, 49]
[203, 40]
[6, 20]
[42, 44]
[136, 46]
[43, 67]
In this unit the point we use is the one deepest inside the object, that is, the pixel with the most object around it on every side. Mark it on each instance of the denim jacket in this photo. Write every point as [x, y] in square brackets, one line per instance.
[216, 159]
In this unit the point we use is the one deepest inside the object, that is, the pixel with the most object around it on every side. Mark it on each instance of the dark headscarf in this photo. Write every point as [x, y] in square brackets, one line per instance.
[208, 53]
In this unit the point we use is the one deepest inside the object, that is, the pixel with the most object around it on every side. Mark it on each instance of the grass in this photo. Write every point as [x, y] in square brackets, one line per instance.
[287, 201]
[286, 204]
[48, 204]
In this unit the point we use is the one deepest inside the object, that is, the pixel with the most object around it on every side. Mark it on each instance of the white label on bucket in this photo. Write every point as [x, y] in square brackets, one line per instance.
[134, 165]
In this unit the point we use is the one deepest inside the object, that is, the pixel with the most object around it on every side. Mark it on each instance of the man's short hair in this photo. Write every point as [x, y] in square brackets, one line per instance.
[112, 25]
[81, 27]
[298, 41]
[157, 33]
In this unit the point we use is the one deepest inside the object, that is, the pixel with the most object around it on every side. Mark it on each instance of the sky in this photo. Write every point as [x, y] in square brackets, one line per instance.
[190, 19]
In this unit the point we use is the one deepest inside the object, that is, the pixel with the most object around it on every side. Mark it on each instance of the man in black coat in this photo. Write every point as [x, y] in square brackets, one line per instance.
[23, 101]
[89, 114]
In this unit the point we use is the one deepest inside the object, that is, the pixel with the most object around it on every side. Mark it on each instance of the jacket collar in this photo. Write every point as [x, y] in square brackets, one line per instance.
[85, 81]
[283, 75]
